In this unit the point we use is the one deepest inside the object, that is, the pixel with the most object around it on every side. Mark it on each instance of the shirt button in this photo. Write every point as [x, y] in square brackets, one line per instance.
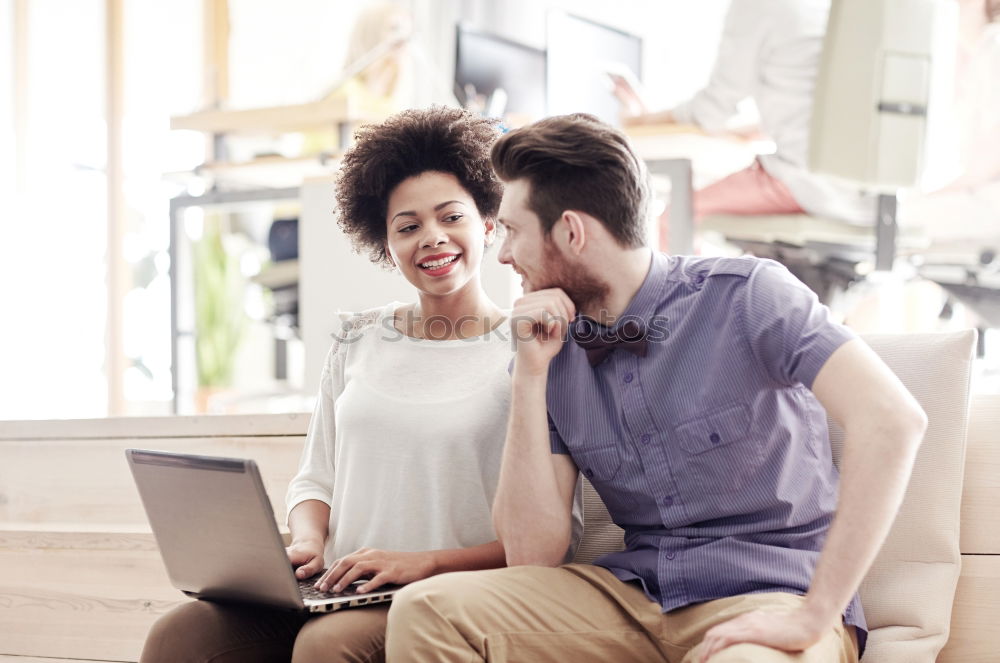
[669, 555]
[589, 473]
[628, 378]
[714, 438]
[646, 437]
[668, 501]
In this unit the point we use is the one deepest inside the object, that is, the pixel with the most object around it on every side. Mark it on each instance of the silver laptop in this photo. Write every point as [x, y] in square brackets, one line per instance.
[216, 531]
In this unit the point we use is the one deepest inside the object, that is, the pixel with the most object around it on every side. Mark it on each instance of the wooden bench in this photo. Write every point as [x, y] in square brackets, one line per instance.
[81, 578]
[80, 573]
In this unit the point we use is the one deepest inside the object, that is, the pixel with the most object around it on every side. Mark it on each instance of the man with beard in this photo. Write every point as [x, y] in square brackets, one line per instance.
[693, 394]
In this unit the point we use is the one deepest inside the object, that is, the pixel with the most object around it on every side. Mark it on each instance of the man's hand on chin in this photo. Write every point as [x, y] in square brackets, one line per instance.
[540, 322]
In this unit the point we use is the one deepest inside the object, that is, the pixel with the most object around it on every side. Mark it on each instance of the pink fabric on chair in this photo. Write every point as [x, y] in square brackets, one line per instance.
[749, 191]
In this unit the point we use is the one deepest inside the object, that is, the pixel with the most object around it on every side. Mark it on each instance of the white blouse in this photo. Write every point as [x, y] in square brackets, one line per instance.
[406, 439]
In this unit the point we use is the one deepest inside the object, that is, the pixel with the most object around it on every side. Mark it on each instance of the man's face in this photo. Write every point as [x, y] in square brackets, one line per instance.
[524, 243]
[537, 258]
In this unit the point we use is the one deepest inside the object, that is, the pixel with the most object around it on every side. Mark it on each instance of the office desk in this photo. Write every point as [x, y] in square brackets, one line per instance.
[681, 159]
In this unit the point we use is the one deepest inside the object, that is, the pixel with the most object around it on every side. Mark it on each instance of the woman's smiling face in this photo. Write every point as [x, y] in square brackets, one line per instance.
[435, 234]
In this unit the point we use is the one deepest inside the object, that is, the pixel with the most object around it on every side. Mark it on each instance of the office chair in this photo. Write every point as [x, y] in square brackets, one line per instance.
[880, 67]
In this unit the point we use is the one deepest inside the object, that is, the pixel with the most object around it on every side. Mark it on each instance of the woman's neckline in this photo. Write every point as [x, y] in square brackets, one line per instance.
[394, 309]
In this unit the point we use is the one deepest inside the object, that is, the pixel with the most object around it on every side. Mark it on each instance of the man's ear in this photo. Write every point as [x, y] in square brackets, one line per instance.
[574, 232]
[491, 230]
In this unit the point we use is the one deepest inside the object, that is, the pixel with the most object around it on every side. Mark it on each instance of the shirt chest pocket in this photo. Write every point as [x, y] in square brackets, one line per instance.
[601, 466]
[718, 452]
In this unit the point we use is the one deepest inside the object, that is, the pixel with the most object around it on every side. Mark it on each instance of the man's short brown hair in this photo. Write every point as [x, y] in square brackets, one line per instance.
[576, 162]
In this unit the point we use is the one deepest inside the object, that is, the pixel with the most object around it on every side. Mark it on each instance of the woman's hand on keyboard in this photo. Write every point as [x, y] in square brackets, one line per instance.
[379, 566]
[307, 556]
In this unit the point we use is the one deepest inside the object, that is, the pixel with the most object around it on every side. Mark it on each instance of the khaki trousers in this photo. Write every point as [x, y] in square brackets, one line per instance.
[207, 632]
[577, 613]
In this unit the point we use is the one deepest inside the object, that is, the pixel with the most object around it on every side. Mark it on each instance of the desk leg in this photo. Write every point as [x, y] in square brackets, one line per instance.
[885, 233]
[174, 251]
[681, 229]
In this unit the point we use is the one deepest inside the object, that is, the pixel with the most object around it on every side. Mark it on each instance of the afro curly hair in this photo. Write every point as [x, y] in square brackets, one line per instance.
[412, 142]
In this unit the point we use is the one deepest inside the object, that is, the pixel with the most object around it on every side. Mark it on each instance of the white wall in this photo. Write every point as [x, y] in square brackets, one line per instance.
[287, 52]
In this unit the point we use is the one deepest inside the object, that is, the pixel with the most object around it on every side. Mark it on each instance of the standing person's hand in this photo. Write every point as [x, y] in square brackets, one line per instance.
[539, 322]
[632, 103]
[307, 556]
[380, 567]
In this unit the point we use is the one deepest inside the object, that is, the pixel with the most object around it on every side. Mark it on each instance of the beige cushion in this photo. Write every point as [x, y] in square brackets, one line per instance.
[908, 593]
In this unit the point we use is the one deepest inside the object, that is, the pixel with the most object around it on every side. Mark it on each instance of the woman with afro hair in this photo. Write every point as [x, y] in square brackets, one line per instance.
[403, 451]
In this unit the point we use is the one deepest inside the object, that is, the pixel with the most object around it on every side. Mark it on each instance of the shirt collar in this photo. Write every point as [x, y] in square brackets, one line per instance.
[645, 302]
[649, 296]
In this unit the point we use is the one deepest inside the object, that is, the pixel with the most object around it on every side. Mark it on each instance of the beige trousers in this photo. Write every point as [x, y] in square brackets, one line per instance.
[207, 632]
[577, 613]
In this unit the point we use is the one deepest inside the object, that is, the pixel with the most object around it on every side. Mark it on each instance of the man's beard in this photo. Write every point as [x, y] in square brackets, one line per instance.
[583, 288]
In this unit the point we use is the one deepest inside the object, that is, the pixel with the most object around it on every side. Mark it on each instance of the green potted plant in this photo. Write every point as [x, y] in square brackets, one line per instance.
[219, 316]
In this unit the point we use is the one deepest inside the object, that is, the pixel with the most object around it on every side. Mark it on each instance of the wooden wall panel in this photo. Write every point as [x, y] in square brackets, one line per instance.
[88, 481]
[975, 618]
[80, 573]
[981, 494]
[86, 596]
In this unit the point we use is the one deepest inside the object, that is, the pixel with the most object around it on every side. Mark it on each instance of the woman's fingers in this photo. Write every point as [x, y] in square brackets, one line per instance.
[378, 566]
[363, 568]
[306, 560]
[309, 569]
[348, 569]
[376, 581]
[333, 574]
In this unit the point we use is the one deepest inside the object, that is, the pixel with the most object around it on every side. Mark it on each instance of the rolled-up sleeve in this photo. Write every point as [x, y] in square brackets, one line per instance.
[736, 68]
[789, 331]
[555, 440]
[576, 514]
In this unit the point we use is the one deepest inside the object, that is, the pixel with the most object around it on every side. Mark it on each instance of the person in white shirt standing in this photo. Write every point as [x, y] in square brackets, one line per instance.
[402, 455]
[769, 51]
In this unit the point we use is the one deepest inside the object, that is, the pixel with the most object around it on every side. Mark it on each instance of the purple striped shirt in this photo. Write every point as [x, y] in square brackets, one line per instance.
[710, 451]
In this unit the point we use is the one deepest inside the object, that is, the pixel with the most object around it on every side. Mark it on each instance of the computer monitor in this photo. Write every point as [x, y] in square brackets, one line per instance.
[581, 54]
[508, 76]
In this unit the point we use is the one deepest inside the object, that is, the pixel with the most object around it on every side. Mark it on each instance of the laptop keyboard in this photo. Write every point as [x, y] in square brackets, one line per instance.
[308, 591]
